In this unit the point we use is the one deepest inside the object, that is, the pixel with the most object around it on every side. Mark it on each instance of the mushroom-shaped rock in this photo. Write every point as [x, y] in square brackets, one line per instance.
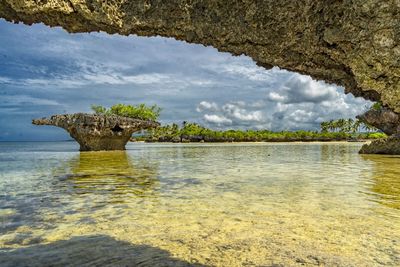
[98, 132]
[388, 122]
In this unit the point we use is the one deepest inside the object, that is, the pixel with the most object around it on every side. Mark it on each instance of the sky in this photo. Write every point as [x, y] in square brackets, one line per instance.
[46, 71]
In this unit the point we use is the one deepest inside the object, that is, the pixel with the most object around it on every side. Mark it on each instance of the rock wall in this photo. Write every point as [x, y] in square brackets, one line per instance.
[353, 43]
[98, 132]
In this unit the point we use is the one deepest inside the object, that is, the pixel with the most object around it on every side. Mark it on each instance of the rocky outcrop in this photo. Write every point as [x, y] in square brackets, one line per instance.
[384, 119]
[98, 132]
[353, 43]
[387, 121]
[389, 146]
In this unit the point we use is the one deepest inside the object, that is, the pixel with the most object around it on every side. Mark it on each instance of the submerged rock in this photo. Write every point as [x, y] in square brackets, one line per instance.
[98, 132]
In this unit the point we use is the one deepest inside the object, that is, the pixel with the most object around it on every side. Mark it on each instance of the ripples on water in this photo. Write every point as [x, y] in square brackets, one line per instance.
[180, 205]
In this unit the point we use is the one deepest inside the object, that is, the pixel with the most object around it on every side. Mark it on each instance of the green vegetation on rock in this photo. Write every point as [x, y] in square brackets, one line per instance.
[140, 111]
[376, 106]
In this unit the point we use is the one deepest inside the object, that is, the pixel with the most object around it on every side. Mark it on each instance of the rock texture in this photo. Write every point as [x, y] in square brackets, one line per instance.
[389, 146]
[383, 119]
[387, 121]
[98, 132]
[353, 43]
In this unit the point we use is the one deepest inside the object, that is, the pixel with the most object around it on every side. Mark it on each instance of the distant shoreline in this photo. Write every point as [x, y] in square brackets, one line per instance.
[35, 141]
[256, 142]
[228, 142]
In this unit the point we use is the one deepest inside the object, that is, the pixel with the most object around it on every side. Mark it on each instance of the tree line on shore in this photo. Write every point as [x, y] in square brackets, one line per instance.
[339, 130]
[334, 130]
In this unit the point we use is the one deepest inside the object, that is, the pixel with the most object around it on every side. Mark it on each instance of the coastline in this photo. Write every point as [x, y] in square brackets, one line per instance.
[260, 142]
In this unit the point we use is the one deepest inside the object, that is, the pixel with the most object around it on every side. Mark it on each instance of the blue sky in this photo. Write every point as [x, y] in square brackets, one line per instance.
[45, 71]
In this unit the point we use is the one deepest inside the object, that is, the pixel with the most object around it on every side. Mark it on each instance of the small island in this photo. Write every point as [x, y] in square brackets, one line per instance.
[106, 129]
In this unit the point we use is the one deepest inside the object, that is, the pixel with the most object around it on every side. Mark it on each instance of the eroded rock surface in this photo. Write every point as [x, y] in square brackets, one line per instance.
[354, 43]
[383, 119]
[387, 121]
[98, 132]
[389, 146]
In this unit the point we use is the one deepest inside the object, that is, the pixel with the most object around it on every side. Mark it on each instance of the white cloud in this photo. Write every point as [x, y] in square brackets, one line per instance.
[235, 111]
[5, 80]
[234, 114]
[300, 115]
[147, 78]
[100, 78]
[249, 71]
[200, 82]
[301, 89]
[81, 79]
[25, 99]
[54, 83]
[217, 119]
[274, 96]
[204, 105]
[258, 104]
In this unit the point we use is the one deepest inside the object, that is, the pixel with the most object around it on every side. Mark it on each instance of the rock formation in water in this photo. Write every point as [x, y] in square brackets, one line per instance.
[387, 121]
[353, 43]
[98, 132]
[389, 146]
[382, 118]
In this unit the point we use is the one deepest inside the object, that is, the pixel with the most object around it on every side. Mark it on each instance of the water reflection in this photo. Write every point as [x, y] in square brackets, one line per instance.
[112, 174]
[385, 179]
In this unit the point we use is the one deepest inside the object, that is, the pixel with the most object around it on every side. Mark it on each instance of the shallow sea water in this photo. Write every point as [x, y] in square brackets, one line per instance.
[260, 204]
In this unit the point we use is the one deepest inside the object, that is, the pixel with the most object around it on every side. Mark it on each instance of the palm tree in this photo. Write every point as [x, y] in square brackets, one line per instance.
[357, 125]
[341, 123]
[335, 125]
[349, 126]
[324, 126]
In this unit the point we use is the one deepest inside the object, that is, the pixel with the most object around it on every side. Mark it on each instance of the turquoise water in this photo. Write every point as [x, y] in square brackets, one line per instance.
[254, 204]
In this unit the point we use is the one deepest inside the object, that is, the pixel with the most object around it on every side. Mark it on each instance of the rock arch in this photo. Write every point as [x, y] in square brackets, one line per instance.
[355, 44]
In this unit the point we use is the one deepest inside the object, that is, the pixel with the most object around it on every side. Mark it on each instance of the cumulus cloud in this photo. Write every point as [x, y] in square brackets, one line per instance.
[217, 119]
[302, 89]
[308, 115]
[233, 114]
[285, 109]
[209, 106]
[238, 112]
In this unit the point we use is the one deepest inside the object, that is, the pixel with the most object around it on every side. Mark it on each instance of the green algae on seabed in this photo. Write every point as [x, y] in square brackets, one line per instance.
[211, 204]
